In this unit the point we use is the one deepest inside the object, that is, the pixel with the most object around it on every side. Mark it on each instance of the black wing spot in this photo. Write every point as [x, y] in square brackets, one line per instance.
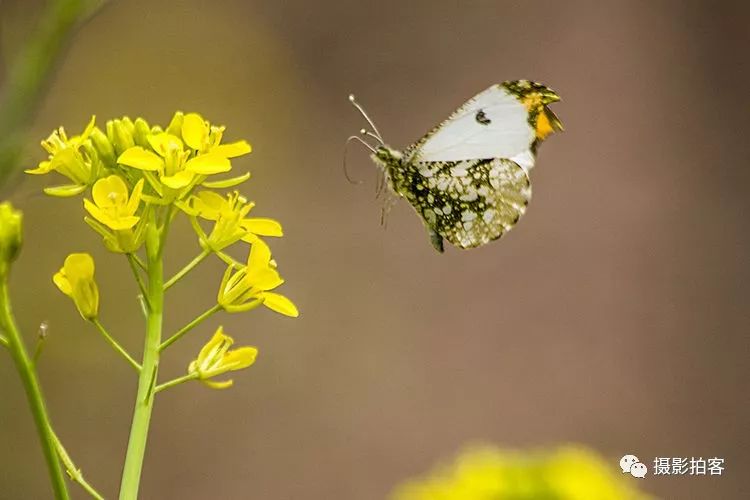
[481, 117]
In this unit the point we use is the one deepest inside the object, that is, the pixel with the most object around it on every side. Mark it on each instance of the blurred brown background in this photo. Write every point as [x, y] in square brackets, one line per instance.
[615, 315]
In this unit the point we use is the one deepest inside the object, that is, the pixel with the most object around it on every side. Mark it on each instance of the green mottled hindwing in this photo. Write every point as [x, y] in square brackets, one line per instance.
[469, 202]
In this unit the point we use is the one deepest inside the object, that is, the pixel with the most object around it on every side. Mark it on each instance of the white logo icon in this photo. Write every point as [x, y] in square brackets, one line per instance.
[631, 464]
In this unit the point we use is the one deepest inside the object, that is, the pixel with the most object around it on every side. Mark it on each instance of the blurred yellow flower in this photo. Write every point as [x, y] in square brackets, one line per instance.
[250, 286]
[74, 158]
[488, 473]
[215, 358]
[112, 205]
[76, 280]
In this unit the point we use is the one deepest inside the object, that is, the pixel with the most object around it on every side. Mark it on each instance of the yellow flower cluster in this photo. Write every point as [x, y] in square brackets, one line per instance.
[488, 473]
[138, 177]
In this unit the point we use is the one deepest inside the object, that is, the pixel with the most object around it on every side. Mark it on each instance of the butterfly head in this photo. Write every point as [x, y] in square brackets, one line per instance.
[537, 98]
[387, 156]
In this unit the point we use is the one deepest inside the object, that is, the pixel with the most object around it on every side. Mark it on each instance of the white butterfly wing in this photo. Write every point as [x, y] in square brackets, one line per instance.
[493, 124]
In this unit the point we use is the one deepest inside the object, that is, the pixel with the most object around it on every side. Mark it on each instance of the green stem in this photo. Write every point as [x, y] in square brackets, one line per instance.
[144, 403]
[182, 331]
[116, 345]
[3, 341]
[26, 371]
[74, 472]
[182, 272]
[174, 382]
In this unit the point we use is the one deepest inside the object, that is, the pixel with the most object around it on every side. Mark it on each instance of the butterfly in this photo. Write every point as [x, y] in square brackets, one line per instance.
[468, 178]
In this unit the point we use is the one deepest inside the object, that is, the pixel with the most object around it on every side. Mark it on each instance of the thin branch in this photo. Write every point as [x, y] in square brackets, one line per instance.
[116, 345]
[189, 267]
[182, 331]
[74, 472]
[138, 261]
[174, 382]
[229, 260]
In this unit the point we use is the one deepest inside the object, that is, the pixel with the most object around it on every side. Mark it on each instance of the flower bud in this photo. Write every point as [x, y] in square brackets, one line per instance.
[120, 134]
[76, 280]
[103, 147]
[11, 235]
[141, 132]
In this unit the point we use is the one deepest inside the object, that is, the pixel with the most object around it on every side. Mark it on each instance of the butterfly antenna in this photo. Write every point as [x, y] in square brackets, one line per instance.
[346, 150]
[376, 134]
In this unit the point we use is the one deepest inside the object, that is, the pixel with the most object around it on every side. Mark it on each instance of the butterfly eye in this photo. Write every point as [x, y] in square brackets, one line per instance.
[481, 117]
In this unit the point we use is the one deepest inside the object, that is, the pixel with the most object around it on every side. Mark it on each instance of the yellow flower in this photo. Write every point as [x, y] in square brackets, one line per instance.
[11, 235]
[201, 136]
[74, 157]
[76, 280]
[250, 286]
[112, 205]
[215, 358]
[179, 166]
[230, 223]
[171, 163]
[488, 473]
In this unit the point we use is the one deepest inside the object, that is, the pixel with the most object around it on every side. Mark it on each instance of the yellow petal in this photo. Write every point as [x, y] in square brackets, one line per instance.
[194, 130]
[212, 345]
[239, 359]
[208, 164]
[96, 212]
[178, 180]
[44, 167]
[209, 204]
[259, 258]
[262, 227]
[110, 191]
[265, 279]
[62, 282]
[122, 223]
[139, 158]
[280, 304]
[135, 198]
[175, 124]
[163, 142]
[118, 224]
[79, 266]
[233, 149]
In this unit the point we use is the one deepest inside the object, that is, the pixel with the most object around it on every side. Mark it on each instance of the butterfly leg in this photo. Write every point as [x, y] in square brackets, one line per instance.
[436, 240]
